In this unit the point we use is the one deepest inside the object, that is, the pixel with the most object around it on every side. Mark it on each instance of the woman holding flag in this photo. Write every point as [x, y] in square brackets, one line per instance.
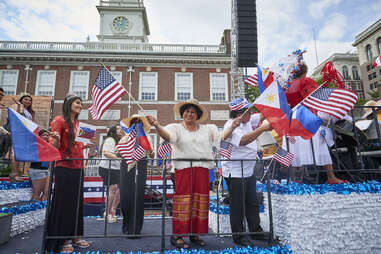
[133, 174]
[63, 219]
[191, 140]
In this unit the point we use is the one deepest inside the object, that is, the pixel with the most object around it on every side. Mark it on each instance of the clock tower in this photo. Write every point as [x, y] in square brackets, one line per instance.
[123, 21]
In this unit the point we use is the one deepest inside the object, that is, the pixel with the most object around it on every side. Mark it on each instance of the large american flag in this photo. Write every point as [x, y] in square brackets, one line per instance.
[283, 157]
[226, 149]
[336, 102]
[163, 149]
[106, 90]
[252, 80]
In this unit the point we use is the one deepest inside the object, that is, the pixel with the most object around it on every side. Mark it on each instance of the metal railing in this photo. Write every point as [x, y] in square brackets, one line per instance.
[164, 205]
[111, 47]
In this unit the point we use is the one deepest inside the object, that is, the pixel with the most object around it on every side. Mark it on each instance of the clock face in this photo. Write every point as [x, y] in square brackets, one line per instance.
[120, 24]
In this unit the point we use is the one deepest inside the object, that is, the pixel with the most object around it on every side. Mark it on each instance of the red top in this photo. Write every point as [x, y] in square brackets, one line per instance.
[59, 125]
[300, 89]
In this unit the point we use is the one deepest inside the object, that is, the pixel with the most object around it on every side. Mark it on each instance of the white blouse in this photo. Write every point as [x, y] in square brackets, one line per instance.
[109, 146]
[193, 144]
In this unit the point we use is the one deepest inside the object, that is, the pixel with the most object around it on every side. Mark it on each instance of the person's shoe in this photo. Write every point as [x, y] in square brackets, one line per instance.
[179, 243]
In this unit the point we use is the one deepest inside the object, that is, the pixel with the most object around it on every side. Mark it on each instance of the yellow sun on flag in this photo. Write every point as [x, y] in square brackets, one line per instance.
[270, 98]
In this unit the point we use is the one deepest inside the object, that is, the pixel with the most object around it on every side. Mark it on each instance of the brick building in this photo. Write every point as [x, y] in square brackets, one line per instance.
[156, 75]
[368, 44]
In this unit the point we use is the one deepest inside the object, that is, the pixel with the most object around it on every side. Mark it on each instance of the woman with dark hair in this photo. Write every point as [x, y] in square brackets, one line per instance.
[63, 219]
[24, 107]
[111, 168]
[191, 140]
[131, 204]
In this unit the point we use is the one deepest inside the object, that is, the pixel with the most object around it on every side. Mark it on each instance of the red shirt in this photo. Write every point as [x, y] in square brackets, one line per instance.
[76, 152]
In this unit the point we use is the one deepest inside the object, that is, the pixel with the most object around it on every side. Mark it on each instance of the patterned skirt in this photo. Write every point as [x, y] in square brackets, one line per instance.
[184, 198]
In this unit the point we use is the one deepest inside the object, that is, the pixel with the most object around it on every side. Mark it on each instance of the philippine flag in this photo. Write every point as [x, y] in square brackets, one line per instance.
[142, 138]
[27, 145]
[304, 123]
[272, 103]
[264, 79]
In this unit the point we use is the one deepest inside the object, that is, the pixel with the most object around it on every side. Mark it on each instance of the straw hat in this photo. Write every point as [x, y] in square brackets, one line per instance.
[370, 103]
[144, 120]
[195, 103]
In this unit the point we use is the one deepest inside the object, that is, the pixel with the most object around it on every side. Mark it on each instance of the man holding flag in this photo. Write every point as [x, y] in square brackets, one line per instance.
[243, 205]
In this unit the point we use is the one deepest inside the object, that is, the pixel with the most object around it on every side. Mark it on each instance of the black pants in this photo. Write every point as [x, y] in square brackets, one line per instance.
[241, 204]
[132, 214]
[63, 212]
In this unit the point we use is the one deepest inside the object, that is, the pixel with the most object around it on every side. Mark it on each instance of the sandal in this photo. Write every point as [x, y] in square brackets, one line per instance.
[67, 248]
[197, 240]
[179, 243]
[81, 244]
[15, 178]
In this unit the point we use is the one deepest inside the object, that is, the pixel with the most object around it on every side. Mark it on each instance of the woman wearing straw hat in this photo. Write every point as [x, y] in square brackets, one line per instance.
[191, 140]
[24, 107]
[133, 210]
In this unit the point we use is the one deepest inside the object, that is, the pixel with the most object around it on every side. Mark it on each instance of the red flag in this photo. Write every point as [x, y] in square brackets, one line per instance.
[377, 62]
[106, 90]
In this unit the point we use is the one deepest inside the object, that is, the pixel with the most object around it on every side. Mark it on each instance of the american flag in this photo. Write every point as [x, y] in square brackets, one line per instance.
[333, 101]
[226, 149]
[126, 149]
[291, 139]
[252, 80]
[106, 90]
[283, 157]
[163, 149]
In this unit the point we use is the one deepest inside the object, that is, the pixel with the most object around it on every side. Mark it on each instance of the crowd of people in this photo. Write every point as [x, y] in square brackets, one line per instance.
[192, 144]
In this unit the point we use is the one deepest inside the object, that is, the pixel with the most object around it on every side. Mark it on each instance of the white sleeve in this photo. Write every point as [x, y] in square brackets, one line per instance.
[254, 120]
[109, 145]
[214, 135]
[173, 130]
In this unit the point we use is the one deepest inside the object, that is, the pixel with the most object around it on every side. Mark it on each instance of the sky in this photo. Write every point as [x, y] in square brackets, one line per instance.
[283, 25]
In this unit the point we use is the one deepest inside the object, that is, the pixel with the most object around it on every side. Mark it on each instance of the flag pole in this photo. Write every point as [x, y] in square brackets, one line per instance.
[125, 89]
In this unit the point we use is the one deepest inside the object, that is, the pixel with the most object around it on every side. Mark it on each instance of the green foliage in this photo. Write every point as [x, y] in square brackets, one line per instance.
[360, 102]
[373, 94]
[5, 170]
[252, 93]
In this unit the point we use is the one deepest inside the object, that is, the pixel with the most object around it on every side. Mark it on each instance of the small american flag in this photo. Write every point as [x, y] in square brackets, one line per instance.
[163, 149]
[291, 139]
[106, 90]
[226, 149]
[333, 101]
[252, 80]
[283, 157]
[127, 149]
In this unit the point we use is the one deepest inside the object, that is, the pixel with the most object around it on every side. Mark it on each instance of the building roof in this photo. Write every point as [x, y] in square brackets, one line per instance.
[367, 32]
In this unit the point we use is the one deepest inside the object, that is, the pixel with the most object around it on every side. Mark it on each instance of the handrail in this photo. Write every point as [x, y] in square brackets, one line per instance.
[111, 47]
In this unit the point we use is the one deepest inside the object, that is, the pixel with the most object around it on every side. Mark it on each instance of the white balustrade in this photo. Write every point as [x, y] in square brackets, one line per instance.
[111, 47]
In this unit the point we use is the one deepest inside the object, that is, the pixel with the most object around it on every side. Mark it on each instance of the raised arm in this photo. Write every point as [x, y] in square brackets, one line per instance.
[253, 135]
[160, 130]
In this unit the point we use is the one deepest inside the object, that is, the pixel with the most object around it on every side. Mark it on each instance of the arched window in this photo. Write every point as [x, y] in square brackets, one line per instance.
[379, 45]
[355, 73]
[345, 72]
[368, 50]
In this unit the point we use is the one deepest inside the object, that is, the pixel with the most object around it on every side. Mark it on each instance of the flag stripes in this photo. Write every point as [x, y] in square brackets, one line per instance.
[106, 90]
[252, 80]
[163, 149]
[335, 102]
[283, 157]
[226, 149]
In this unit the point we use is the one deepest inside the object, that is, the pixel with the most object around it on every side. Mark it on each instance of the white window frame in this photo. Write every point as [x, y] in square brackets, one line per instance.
[213, 74]
[72, 74]
[9, 92]
[53, 87]
[177, 89]
[141, 85]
